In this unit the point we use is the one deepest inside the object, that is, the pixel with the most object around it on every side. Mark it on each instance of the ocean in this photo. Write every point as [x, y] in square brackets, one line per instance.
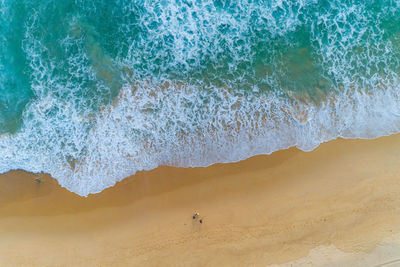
[94, 91]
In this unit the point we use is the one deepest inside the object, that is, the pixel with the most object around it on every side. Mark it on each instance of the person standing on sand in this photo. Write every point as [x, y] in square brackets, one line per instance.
[197, 215]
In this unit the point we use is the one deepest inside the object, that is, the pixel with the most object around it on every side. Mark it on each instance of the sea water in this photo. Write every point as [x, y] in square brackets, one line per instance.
[94, 91]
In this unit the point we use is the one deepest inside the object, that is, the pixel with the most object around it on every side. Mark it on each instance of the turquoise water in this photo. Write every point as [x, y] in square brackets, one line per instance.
[93, 91]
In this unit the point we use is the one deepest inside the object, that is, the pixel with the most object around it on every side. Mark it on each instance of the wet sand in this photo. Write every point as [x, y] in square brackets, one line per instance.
[337, 205]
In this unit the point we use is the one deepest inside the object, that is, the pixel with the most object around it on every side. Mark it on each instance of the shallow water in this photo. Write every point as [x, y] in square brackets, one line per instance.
[93, 91]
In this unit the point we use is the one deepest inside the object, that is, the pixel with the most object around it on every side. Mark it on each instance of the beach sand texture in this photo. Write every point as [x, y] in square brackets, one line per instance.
[335, 206]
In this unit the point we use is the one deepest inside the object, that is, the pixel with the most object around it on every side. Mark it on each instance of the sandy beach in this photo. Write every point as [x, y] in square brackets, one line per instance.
[335, 206]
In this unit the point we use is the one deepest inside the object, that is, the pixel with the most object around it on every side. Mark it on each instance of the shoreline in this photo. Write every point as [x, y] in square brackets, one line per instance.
[271, 209]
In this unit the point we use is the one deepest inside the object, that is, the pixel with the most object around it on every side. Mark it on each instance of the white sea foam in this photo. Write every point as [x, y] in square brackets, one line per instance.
[190, 31]
[152, 126]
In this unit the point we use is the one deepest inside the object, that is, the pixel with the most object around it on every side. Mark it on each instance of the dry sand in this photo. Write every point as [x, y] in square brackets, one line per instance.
[338, 205]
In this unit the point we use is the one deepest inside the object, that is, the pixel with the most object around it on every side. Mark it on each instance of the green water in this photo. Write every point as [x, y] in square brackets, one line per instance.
[56, 48]
[82, 47]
